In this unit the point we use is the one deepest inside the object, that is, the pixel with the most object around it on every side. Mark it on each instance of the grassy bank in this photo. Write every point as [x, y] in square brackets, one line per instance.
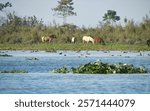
[25, 33]
[78, 46]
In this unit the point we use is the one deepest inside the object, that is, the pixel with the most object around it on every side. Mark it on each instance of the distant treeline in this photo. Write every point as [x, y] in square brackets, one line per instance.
[28, 30]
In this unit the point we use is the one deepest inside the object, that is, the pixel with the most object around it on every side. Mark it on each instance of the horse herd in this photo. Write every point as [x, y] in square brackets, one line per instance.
[85, 39]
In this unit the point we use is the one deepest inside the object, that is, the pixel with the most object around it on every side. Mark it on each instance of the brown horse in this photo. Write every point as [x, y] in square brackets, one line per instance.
[48, 38]
[99, 40]
[148, 42]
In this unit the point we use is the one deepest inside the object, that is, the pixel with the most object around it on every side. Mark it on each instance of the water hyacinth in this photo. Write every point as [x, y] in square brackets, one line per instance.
[60, 70]
[98, 67]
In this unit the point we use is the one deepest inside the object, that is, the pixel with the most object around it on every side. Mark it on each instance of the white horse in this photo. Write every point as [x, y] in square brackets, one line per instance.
[46, 39]
[73, 40]
[87, 39]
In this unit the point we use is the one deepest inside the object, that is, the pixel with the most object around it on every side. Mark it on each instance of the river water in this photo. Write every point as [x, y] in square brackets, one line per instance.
[40, 80]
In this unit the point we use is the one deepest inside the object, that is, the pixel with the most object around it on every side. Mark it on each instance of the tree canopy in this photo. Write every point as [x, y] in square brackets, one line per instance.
[2, 6]
[64, 9]
[111, 16]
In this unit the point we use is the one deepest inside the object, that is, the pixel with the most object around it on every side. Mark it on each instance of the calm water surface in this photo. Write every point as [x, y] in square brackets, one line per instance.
[40, 80]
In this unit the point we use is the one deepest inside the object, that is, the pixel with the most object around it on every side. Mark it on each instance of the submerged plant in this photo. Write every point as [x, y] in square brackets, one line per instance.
[98, 67]
[5, 55]
[33, 58]
[13, 71]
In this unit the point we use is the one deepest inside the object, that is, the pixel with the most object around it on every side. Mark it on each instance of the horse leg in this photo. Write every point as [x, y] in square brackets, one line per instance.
[42, 38]
[50, 40]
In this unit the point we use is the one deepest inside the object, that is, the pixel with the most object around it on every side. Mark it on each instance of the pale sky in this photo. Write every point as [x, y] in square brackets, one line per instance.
[89, 12]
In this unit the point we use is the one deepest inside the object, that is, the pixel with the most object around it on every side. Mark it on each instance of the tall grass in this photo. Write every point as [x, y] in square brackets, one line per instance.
[25, 30]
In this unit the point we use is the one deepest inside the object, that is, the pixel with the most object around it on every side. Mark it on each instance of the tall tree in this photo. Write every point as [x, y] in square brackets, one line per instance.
[111, 16]
[64, 9]
[2, 6]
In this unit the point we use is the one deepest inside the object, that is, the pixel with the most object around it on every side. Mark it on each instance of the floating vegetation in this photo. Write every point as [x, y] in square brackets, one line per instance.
[14, 71]
[52, 51]
[98, 67]
[60, 70]
[33, 58]
[5, 55]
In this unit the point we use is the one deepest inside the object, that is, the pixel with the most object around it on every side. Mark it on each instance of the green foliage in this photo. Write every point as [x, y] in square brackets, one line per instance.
[20, 30]
[98, 67]
[104, 68]
[60, 70]
[76, 46]
[29, 30]
[2, 6]
[111, 15]
[14, 20]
